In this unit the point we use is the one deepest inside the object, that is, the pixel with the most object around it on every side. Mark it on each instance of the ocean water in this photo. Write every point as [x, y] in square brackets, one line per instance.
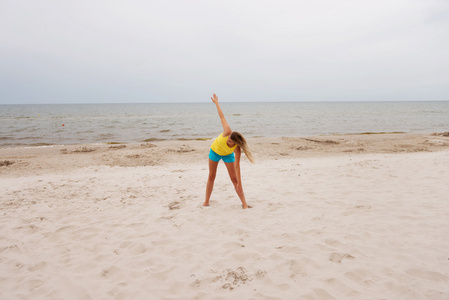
[36, 125]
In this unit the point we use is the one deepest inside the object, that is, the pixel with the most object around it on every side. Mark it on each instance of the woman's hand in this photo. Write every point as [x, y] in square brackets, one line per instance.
[214, 99]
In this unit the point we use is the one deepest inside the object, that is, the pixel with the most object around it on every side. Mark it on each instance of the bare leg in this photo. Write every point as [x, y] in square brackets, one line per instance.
[237, 185]
[210, 180]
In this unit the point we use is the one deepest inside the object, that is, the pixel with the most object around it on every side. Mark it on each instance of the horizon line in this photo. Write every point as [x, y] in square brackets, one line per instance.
[203, 102]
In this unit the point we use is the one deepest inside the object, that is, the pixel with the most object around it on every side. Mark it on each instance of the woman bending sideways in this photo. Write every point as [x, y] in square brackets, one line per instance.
[223, 148]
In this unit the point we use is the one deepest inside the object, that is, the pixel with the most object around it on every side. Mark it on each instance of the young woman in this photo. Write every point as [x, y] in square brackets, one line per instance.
[223, 148]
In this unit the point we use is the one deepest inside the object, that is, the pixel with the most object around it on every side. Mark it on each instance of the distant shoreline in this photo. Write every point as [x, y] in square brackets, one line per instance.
[48, 158]
[153, 140]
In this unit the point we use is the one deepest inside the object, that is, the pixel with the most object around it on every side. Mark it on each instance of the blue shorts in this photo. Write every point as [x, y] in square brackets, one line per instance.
[227, 158]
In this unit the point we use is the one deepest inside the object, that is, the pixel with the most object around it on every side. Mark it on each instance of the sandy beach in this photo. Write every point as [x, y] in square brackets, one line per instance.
[333, 217]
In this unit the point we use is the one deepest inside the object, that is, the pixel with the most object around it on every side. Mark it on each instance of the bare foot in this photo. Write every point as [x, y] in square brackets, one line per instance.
[206, 204]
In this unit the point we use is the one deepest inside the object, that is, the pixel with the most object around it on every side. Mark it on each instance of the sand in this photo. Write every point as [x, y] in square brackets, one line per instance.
[333, 217]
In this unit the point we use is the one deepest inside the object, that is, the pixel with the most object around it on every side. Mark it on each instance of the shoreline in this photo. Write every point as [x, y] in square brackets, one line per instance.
[153, 140]
[18, 161]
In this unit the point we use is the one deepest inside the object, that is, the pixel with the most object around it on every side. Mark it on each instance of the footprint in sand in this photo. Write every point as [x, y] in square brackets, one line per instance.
[338, 257]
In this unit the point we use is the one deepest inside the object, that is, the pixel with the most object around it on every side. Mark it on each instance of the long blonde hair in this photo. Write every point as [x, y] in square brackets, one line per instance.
[238, 138]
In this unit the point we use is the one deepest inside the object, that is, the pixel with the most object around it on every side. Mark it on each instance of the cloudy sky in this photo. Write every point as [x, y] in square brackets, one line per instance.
[99, 51]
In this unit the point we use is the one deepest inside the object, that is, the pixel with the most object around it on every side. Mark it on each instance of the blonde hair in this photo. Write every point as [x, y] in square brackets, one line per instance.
[238, 138]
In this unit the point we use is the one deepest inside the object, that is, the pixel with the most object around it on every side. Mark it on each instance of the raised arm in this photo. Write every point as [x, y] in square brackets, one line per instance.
[226, 129]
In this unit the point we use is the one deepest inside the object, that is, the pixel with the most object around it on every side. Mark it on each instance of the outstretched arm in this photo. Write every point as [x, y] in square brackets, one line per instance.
[226, 129]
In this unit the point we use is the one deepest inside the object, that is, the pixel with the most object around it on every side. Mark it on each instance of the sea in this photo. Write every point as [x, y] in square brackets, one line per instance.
[64, 124]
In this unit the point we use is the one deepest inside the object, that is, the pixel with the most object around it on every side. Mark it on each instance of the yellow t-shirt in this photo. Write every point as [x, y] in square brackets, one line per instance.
[220, 147]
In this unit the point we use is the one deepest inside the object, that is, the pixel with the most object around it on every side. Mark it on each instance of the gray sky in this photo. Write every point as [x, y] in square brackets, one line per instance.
[100, 51]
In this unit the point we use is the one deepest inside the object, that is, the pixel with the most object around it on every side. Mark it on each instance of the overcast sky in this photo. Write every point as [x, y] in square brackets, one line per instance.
[93, 51]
